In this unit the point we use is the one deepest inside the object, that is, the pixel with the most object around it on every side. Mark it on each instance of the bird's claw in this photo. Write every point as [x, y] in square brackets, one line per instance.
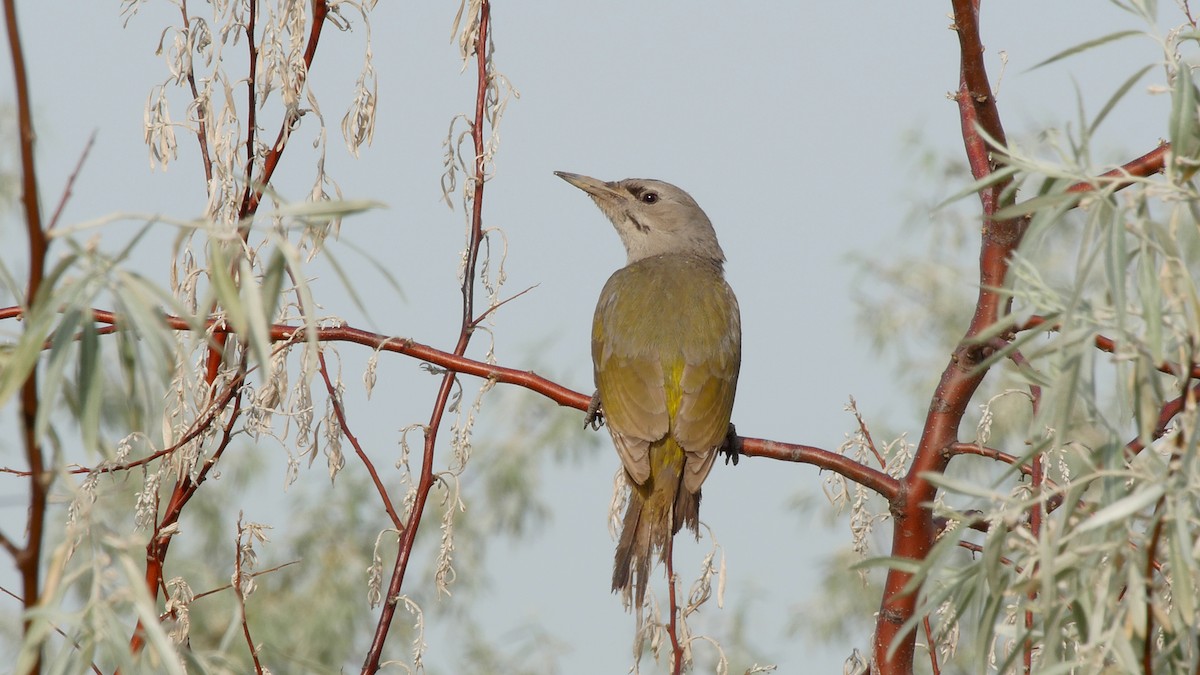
[595, 415]
[731, 447]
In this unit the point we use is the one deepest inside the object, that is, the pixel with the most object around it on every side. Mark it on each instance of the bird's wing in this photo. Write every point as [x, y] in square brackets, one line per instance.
[635, 407]
[707, 384]
[629, 375]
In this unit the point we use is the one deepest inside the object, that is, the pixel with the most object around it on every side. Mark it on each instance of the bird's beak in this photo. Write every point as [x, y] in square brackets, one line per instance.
[598, 189]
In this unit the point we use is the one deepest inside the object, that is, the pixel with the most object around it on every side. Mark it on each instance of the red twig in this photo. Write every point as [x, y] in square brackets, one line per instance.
[929, 640]
[990, 453]
[201, 122]
[251, 109]
[28, 557]
[673, 601]
[164, 530]
[1035, 529]
[238, 578]
[1107, 344]
[1122, 176]
[271, 161]
[384, 343]
[862, 427]
[338, 410]
[1148, 643]
[889, 488]
[425, 482]
[67, 190]
[256, 185]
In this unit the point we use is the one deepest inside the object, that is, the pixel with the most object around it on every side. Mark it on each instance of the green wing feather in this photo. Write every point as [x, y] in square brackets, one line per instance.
[666, 344]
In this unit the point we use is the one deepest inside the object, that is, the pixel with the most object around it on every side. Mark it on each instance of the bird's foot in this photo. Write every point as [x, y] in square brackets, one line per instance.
[731, 447]
[595, 416]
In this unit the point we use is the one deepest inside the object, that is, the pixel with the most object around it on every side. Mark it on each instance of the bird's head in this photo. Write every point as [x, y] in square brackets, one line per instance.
[652, 217]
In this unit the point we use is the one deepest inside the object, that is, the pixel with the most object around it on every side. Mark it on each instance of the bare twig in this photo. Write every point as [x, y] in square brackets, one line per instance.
[252, 575]
[201, 121]
[66, 195]
[241, 595]
[362, 455]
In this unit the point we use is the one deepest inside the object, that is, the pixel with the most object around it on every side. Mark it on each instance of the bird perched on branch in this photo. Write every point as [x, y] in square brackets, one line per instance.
[666, 348]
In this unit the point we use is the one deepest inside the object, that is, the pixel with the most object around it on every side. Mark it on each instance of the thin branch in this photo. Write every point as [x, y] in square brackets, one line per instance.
[1035, 530]
[425, 482]
[78, 647]
[932, 644]
[241, 595]
[862, 427]
[990, 453]
[251, 106]
[1148, 641]
[185, 488]
[1107, 344]
[478, 320]
[872, 479]
[362, 455]
[1125, 175]
[67, 190]
[252, 575]
[28, 557]
[673, 601]
[201, 122]
[271, 161]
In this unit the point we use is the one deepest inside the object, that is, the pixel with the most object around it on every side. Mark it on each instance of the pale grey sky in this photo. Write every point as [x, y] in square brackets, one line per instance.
[786, 122]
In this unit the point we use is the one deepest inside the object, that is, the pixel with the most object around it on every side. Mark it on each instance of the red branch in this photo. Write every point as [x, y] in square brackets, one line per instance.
[914, 529]
[185, 489]
[466, 328]
[873, 479]
[28, 557]
[1107, 344]
[1122, 176]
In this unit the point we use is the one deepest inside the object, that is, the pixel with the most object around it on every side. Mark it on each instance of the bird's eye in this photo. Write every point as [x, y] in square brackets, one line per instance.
[650, 198]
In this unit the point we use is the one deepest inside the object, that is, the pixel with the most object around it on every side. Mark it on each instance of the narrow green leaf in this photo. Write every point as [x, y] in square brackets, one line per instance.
[1061, 201]
[384, 270]
[91, 386]
[1178, 543]
[62, 346]
[325, 209]
[1116, 97]
[346, 283]
[1090, 44]
[1123, 508]
[1184, 135]
[1003, 173]
[225, 289]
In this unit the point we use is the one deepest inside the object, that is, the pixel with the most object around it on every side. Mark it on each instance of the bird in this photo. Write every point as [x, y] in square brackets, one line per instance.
[666, 352]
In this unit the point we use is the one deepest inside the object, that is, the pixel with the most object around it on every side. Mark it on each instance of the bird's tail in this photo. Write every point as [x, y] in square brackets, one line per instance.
[658, 508]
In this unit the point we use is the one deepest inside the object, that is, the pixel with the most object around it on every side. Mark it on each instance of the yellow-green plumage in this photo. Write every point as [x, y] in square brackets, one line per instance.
[666, 346]
[666, 349]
